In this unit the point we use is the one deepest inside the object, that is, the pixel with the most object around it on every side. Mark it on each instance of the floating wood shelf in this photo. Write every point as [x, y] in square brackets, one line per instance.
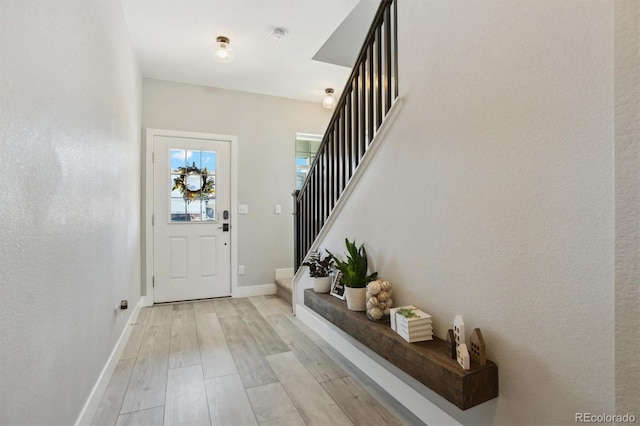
[427, 362]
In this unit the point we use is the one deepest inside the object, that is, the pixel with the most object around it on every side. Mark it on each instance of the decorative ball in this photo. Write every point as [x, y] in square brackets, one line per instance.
[383, 296]
[372, 302]
[374, 287]
[389, 303]
[382, 306]
[386, 285]
[376, 313]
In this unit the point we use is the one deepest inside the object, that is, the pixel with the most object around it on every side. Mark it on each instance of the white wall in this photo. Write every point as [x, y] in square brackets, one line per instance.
[69, 215]
[493, 196]
[627, 204]
[266, 127]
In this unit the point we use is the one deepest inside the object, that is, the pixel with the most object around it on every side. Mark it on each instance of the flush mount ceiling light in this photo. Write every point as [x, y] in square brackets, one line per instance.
[329, 101]
[223, 52]
[278, 34]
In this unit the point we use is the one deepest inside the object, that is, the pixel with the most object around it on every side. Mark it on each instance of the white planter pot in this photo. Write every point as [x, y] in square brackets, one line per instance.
[356, 298]
[321, 284]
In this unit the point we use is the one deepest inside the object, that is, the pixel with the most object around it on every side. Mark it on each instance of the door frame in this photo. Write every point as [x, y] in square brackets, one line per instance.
[147, 208]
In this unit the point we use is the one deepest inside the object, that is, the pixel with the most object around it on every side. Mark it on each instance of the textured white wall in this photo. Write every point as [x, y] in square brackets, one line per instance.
[69, 215]
[627, 196]
[493, 195]
[266, 127]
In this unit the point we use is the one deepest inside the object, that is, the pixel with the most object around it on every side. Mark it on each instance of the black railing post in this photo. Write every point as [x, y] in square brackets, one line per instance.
[296, 230]
[387, 60]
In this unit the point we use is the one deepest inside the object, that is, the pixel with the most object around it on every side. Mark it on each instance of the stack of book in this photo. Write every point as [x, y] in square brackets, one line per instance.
[411, 323]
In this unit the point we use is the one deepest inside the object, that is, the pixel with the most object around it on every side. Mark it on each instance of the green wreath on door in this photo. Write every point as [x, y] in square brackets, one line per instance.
[207, 183]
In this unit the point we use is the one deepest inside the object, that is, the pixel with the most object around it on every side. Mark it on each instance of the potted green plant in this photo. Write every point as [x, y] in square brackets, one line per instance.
[355, 275]
[319, 270]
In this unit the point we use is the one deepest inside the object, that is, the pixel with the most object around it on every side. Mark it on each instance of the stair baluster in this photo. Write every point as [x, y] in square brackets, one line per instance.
[367, 98]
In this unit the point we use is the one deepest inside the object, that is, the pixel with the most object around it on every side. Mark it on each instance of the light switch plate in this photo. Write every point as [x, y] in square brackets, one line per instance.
[278, 209]
[243, 209]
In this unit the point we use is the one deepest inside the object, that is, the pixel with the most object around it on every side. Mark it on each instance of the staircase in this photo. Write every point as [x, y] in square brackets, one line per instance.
[283, 288]
[369, 94]
[284, 282]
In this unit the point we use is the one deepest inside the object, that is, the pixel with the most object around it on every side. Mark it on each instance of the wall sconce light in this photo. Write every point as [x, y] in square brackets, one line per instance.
[329, 101]
[223, 53]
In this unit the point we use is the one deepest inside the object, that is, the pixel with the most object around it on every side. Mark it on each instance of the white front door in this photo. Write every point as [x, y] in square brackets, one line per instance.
[191, 211]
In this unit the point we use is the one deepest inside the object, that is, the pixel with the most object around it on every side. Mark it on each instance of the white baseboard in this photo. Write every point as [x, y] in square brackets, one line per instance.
[255, 290]
[93, 401]
[377, 370]
[146, 301]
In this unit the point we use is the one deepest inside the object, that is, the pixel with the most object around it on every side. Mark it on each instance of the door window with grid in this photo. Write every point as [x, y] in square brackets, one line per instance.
[193, 185]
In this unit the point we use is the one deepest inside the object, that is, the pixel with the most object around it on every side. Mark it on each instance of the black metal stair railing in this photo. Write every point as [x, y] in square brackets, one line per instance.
[366, 99]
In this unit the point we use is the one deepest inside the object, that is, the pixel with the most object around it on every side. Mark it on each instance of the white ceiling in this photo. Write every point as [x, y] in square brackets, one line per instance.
[173, 41]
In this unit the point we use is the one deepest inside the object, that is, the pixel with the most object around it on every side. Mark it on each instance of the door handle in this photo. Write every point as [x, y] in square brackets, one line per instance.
[224, 227]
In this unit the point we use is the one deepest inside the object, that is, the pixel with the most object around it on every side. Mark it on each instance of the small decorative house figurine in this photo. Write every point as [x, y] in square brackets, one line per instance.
[451, 344]
[458, 330]
[478, 350]
[463, 356]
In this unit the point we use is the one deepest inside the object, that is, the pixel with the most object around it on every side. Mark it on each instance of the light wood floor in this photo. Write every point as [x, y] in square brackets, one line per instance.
[238, 362]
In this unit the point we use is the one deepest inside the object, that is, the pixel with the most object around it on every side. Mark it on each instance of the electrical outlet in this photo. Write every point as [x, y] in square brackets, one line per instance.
[240, 269]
